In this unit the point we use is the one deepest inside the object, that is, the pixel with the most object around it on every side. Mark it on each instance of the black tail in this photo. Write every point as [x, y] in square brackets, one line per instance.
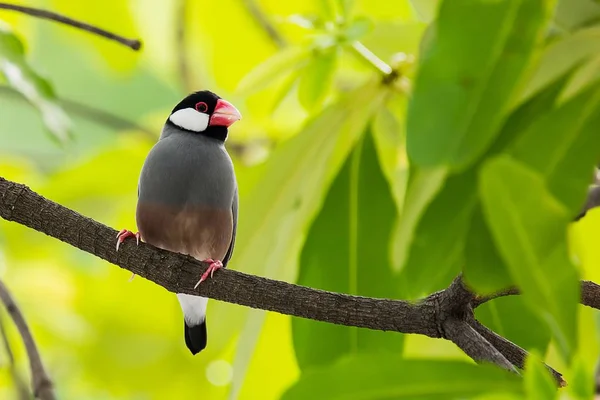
[195, 337]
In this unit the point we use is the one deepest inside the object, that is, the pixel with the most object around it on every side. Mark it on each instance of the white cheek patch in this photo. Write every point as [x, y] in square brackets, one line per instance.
[190, 119]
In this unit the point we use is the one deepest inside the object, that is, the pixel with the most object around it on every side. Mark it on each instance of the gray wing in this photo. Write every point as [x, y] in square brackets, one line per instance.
[234, 212]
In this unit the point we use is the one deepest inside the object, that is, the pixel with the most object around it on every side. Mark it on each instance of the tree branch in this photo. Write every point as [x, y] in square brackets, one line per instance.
[178, 273]
[20, 386]
[263, 21]
[90, 113]
[479, 300]
[40, 382]
[513, 353]
[134, 44]
[445, 314]
[474, 344]
[590, 295]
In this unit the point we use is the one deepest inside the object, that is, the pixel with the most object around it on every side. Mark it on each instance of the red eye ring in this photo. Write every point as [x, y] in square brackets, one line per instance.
[201, 107]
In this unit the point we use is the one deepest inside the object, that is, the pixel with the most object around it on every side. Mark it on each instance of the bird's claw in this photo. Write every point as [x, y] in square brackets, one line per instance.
[214, 265]
[124, 234]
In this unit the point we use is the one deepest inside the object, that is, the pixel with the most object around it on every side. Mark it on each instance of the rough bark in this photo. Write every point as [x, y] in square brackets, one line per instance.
[445, 314]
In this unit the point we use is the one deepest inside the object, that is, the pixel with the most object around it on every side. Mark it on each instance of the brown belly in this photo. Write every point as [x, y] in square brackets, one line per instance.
[201, 232]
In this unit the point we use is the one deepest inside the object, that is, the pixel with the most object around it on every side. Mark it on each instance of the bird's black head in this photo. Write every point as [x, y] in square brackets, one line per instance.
[206, 113]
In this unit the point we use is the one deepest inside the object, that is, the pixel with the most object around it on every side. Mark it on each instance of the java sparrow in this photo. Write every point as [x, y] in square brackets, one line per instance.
[187, 195]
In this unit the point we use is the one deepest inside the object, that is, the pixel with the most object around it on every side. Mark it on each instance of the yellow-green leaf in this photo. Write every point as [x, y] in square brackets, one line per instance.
[22, 77]
[539, 383]
[469, 76]
[529, 225]
[316, 79]
[267, 72]
[371, 377]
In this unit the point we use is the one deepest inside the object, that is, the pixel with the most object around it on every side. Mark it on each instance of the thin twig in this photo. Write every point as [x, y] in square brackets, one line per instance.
[473, 344]
[40, 382]
[90, 113]
[20, 386]
[134, 44]
[479, 300]
[263, 21]
[181, 43]
[590, 295]
[513, 353]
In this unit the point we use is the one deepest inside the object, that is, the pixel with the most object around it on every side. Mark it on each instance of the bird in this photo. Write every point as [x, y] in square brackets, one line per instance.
[188, 196]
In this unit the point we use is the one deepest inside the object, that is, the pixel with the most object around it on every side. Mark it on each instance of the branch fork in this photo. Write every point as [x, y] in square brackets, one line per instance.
[446, 314]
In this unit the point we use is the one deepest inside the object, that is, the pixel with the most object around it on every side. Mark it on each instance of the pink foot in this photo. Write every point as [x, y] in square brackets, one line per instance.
[214, 265]
[124, 234]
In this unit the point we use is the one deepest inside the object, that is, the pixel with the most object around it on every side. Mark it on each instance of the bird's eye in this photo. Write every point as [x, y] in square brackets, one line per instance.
[201, 107]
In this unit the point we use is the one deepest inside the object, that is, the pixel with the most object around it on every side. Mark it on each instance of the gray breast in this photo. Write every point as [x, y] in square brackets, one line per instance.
[186, 190]
[188, 169]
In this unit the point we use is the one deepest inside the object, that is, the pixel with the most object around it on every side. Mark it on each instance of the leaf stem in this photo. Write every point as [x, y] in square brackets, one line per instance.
[367, 55]
[133, 44]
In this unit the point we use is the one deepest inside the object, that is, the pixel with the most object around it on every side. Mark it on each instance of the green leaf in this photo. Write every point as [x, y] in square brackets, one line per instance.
[513, 319]
[38, 91]
[456, 242]
[288, 192]
[585, 76]
[484, 269]
[469, 76]
[389, 137]
[564, 147]
[423, 186]
[316, 79]
[530, 233]
[284, 61]
[539, 383]
[346, 251]
[581, 380]
[443, 227]
[371, 377]
[425, 9]
[572, 14]
[562, 56]
[284, 89]
[327, 7]
[358, 28]
[345, 7]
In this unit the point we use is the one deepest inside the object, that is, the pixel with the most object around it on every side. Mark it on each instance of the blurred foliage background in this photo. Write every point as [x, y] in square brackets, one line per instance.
[501, 137]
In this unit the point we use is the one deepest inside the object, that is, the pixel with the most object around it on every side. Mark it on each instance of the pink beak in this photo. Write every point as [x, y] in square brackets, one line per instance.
[225, 114]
